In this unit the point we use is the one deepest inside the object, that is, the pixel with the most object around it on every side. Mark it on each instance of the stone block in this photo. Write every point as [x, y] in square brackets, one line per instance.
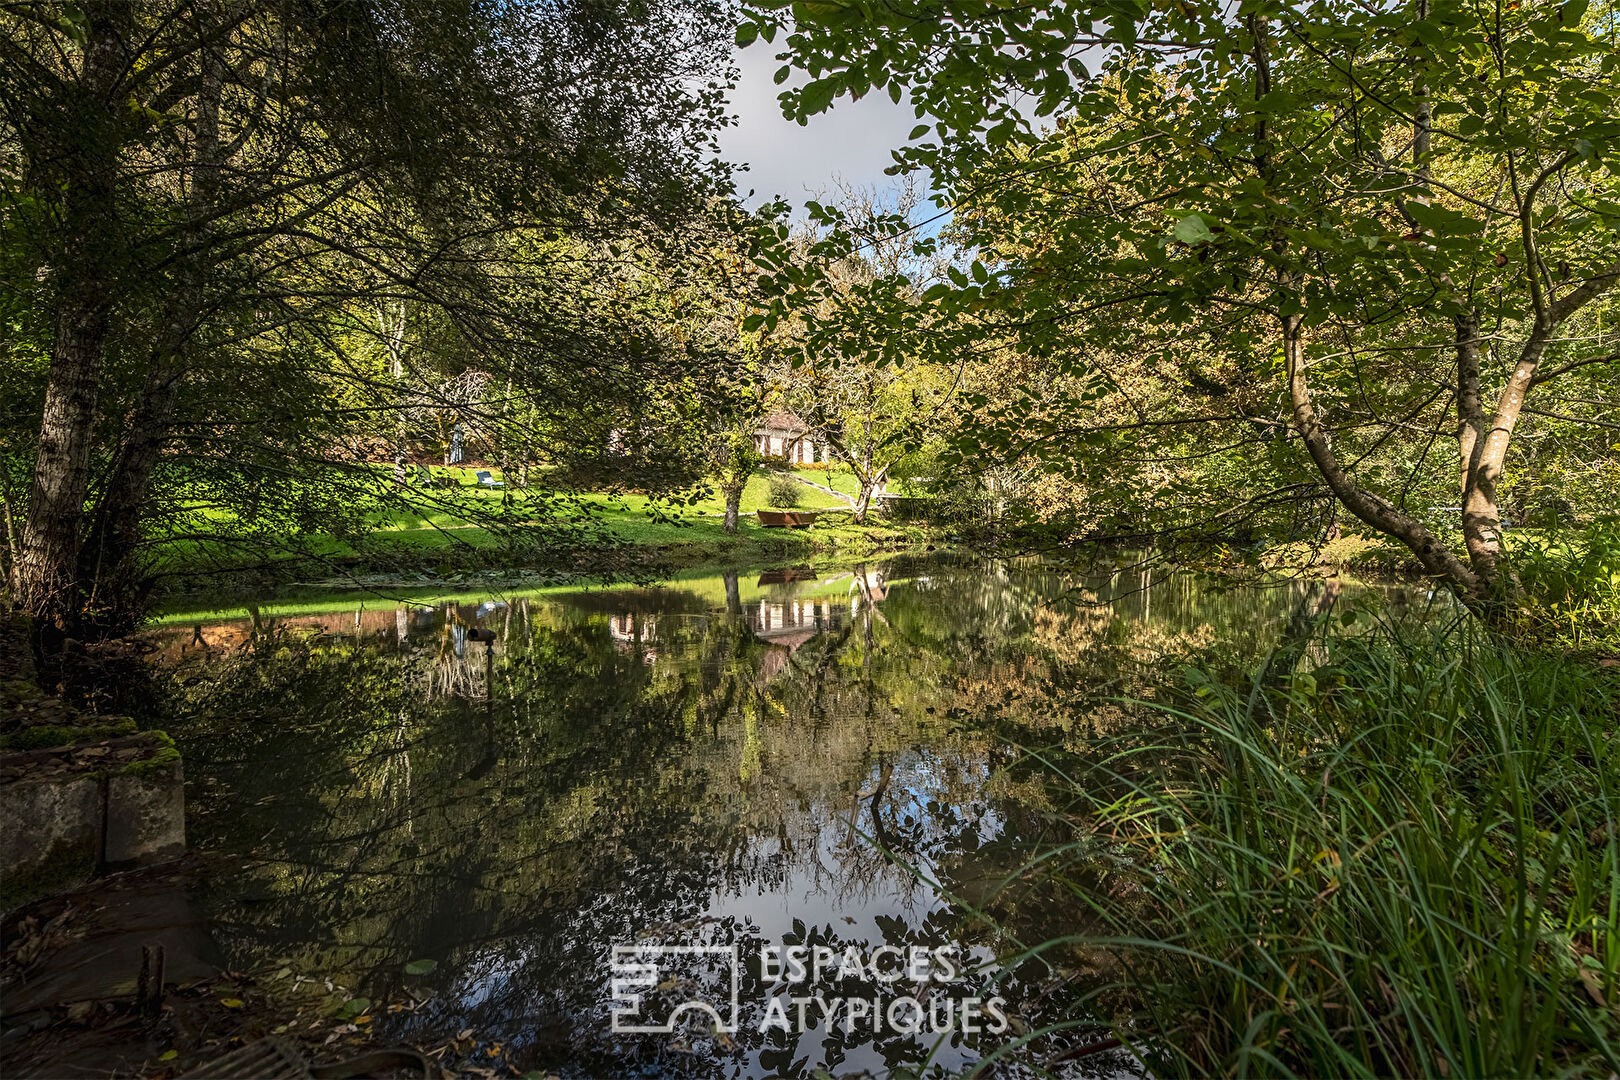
[50, 836]
[146, 815]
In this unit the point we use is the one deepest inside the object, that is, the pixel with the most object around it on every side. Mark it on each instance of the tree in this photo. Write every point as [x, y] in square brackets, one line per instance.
[1396, 220]
[852, 378]
[735, 460]
[202, 195]
[707, 314]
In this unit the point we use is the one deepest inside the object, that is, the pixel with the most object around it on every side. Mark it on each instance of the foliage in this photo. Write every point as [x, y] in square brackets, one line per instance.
[1572, 587]
[856, 386]
[263, 247]
[1391, 853]
[1285, 255]
[785, 492]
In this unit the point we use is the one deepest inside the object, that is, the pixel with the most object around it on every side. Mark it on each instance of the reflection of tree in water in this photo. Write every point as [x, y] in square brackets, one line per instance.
[659, 762]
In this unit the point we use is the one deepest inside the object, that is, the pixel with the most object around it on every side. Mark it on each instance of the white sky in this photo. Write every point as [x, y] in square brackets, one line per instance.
[851, 141]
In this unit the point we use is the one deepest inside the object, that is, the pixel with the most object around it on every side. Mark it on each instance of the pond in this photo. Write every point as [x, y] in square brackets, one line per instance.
[472, 802]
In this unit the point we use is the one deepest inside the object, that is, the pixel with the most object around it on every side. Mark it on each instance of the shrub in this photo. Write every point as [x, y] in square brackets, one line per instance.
[785, 492]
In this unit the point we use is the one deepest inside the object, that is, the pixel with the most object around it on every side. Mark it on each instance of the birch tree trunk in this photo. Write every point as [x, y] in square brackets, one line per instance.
[87, 140]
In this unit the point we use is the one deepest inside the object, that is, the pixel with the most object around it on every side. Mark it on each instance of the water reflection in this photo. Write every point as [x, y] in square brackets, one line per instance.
[511, 785]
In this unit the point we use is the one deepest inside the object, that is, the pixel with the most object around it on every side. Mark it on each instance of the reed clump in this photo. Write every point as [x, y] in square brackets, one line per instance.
[1391, 852]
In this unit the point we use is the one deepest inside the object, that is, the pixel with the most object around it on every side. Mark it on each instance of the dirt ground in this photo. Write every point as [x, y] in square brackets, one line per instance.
[71, 974]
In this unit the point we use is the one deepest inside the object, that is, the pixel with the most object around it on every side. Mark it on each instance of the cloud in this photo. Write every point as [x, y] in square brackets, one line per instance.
[851, 141]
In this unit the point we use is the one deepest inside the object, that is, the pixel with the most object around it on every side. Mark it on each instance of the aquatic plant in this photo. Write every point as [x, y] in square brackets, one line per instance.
[1395, 855]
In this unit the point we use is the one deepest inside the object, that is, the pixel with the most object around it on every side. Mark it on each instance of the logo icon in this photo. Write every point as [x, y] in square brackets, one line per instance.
[657, 987]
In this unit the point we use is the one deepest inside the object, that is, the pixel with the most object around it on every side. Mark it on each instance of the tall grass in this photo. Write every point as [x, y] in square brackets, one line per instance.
[1571, 587]
[1394, 854]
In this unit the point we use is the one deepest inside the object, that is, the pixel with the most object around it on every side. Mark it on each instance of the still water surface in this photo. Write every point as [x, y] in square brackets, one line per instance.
[511, 785]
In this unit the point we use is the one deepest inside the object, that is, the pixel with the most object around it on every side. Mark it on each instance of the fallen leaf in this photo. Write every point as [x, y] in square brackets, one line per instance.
[1594, 988]
[231, 1003]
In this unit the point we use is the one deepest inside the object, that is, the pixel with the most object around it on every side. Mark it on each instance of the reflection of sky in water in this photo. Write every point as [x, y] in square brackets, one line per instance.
[822, 893]
[729, 759]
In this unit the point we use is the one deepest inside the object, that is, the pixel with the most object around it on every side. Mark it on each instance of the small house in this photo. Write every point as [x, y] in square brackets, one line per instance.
[783, 434]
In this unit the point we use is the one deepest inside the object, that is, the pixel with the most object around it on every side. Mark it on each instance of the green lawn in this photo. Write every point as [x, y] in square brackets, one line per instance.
[439, 520]
[630, 517]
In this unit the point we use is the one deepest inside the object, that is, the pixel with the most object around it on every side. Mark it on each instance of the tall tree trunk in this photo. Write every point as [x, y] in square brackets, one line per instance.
[83, 147]
[733, 494]
[870, 482]
[11, 546]
[104, 563]
[48, 561]
[391, 325]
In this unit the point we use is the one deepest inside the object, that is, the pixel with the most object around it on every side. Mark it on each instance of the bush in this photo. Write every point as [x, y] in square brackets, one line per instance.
[785, 492]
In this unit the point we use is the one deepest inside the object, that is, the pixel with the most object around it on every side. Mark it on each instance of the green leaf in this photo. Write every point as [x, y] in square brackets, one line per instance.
[816, 96]
[72, 23]
[355, 1006]
[1193, 230]
[746, 33]
[423, 967]
[918, 132]
[814, 10]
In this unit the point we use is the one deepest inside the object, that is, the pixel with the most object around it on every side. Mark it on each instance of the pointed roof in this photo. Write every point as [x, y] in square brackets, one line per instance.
[784, 420]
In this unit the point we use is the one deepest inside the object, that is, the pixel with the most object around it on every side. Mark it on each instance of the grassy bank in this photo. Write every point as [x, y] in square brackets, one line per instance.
[1393, 852]
[465, 528]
